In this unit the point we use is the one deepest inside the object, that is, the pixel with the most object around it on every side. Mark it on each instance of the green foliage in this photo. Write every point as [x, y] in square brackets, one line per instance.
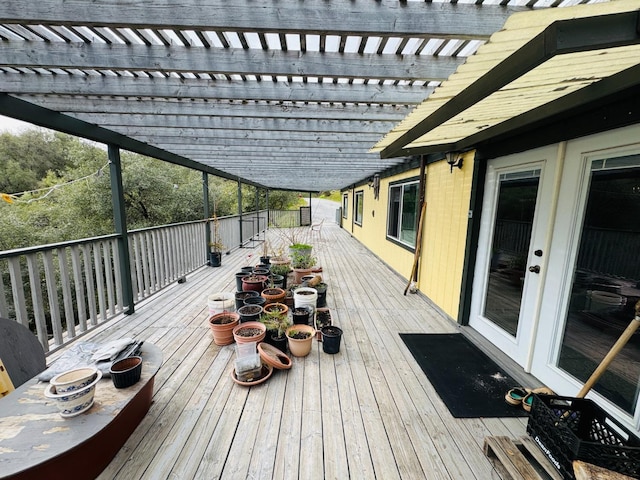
[302, 260]
[276, 321]
[155, 192]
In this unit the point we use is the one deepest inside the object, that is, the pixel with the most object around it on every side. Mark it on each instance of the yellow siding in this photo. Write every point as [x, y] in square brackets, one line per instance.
[444, 231]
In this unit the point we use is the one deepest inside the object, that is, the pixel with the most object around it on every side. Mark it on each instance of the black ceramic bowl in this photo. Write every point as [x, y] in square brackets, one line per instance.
[126, 372]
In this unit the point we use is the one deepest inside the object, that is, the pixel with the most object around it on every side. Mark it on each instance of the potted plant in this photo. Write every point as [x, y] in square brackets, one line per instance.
[323, 319]
[216, 247]
[254, 282]
[222, 325]
[274, 295]
[277, 323]
[265, 258]
[300, 338]
[301, 264]
[280, 270]
[249, 332]
[249, 313]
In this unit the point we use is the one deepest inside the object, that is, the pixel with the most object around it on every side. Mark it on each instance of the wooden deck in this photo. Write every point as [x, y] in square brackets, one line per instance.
[368, 412]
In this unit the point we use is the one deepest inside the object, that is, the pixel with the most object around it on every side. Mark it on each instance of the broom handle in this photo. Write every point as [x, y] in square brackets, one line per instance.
[604, 364]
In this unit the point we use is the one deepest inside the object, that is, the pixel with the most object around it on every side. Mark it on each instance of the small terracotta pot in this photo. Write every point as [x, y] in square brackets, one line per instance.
[223, 332]
[273, 295]
[258, 337]
[280, 307]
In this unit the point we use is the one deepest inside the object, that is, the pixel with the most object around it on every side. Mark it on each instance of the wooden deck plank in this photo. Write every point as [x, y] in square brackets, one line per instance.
[366, 412]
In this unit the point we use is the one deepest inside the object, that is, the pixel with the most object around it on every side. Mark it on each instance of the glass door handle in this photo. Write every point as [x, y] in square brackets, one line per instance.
[534, 268]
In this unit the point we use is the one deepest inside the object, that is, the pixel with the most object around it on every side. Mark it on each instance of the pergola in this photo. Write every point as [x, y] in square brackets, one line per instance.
[280, 95]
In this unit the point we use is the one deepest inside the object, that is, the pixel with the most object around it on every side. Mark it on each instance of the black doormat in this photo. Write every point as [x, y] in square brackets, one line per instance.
[467, 380]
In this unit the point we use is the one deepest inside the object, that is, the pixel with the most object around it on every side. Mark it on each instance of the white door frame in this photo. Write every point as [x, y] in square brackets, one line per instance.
[520, 347]
[562, 258]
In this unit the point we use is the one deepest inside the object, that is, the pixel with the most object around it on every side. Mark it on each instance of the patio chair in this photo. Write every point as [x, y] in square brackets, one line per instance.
[317, 228]
[20, 351]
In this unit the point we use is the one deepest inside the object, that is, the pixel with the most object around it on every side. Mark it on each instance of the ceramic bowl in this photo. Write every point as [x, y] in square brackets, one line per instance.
[126, 372]
[73, 379]
[74, 402]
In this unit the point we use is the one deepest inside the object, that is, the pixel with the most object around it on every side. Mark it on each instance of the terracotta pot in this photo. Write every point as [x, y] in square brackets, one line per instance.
[273, 295]
[223, 332]
[298, 273]
[281, 307]
[300, 347]
[254, 282]
[259, 335]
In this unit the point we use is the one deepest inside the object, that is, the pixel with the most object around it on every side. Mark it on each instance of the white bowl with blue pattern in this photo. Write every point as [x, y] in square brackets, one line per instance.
[76, 401]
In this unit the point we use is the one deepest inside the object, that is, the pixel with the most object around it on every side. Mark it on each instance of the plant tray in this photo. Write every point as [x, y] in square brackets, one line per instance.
[568, 429]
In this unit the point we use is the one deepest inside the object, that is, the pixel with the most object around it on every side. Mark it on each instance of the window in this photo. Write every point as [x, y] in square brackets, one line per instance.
[403, 213]
[358, 207]
[345, 205]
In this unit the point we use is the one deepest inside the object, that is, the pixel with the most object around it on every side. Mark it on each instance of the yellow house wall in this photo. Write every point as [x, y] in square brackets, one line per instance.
[444, 231]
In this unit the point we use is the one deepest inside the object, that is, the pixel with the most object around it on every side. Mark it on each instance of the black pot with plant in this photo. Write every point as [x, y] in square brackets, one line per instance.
[277, 323]
[250, 313]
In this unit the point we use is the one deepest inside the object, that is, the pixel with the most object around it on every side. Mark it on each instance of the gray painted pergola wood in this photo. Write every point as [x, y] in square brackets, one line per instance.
[282, 95]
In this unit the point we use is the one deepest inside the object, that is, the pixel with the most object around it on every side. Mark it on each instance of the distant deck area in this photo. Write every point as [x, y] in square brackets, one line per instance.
[367, 412]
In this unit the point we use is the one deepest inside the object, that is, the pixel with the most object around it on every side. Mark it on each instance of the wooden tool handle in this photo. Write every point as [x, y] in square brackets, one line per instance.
[606, 361]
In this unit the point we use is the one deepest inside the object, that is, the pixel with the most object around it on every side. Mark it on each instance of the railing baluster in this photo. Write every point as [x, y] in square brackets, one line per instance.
[52, 294]
[108, 275]
[67, 298]
[117, 276]
[81, 305]
[20, 306]
[99, 268]
[36, 299]
[88, 281]
[4, 309]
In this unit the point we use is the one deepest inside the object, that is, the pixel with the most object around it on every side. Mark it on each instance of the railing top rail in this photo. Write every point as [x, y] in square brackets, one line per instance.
[54, 246]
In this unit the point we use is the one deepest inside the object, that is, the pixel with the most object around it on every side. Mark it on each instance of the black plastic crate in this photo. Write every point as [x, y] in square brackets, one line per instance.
[568, 429]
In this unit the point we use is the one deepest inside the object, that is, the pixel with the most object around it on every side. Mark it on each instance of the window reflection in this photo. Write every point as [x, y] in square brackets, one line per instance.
[606, 284]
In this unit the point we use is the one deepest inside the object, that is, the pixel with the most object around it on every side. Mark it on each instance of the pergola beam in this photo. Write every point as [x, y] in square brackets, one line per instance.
[235, 123]
[380, 18]
[221, 108]
[143, 88]
[227, 61]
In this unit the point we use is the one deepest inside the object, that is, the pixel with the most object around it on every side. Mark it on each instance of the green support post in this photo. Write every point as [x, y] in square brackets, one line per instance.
[120, 221]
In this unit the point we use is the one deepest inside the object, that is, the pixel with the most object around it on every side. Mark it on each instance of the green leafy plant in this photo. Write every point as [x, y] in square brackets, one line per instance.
[280, 269]
[276, 321]
[302, 260]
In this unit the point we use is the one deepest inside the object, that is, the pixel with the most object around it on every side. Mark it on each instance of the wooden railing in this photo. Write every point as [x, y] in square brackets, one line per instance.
[63, 290]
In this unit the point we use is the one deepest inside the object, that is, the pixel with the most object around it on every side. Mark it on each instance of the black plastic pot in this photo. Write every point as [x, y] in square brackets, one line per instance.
[265, 260]
[322, 295]
[239, 276]
[278, 281]
[280, 343]
[331, 337]
[302, 315]
[250, 313]
[243, 295]
[215, 259]
[258, 300]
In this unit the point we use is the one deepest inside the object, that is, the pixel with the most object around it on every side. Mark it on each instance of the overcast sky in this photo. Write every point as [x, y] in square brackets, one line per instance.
[14, 126]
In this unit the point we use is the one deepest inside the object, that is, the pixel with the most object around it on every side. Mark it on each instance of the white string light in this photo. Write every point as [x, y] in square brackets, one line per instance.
[16, 197]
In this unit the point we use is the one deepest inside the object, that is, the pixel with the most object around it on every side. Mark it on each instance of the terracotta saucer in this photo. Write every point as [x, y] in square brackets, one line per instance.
[274, 357]
[267, 370]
